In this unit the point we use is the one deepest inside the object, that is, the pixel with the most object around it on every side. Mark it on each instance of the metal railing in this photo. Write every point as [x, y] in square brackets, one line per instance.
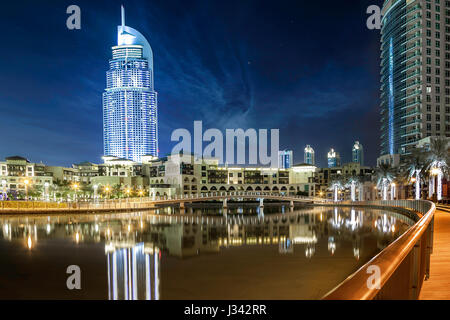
[399, 270]
[143, 202]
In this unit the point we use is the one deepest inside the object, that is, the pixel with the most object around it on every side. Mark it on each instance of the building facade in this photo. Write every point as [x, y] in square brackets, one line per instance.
[130, 122]
[415, 73]
[334, 159]
[358, 153]
[285, 159]
[309, 155]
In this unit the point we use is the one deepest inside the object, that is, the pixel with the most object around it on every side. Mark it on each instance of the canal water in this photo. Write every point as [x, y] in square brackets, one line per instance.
[200, 253]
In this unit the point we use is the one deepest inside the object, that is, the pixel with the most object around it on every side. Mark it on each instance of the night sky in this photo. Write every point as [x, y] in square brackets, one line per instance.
[308, 68]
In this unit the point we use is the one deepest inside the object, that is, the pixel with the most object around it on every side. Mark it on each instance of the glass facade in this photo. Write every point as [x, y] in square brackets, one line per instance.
[285, 159]
[415, 73]
[358, 153]
[309, 155]
[130, 120]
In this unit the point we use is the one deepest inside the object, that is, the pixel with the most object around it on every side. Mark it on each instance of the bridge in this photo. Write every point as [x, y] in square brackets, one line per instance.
[133, 204]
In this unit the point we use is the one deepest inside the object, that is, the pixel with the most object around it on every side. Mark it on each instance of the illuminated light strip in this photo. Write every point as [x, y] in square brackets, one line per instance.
[156, 254]
[125, 274]
[135, 289]
[148, 278]
[114, 276]
[109, 278]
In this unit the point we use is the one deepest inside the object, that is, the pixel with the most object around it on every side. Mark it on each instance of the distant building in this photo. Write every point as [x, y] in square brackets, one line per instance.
[285, 159]
[334, 159]
[309, 155]
[358, 153]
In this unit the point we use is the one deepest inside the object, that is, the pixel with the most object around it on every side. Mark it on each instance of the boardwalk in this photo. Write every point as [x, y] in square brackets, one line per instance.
[438, 286]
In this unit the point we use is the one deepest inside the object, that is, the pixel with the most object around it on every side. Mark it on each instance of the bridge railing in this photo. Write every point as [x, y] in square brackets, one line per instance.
[136, 203]
[399, 270]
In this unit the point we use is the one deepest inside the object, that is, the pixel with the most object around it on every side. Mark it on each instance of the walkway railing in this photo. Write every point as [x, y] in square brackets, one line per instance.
[399, 270]
[140, 203]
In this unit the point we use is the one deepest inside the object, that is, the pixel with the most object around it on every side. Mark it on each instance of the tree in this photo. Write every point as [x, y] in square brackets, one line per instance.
[352, 181]
[384, 175]
[415, 164]
[438, 160]
[336, 185]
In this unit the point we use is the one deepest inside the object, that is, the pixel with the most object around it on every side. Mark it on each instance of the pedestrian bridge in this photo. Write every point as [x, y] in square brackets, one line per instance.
[142, 203]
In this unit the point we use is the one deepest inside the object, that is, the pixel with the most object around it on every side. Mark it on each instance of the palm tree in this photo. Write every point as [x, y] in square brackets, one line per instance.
[438, 159]
[352, 182]
[336, 184]
[385, 175]
[415, 165]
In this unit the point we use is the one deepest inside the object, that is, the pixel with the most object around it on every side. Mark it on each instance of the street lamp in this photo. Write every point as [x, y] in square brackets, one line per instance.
[141, 193]
[75, 187]
[26, 182]
[107, 189]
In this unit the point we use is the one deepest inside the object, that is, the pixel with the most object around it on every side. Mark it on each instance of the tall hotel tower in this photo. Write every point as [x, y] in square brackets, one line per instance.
[130, 123]
[415, 73]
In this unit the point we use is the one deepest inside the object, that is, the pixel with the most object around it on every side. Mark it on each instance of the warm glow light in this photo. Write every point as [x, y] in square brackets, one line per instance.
[29, 242]
[75, 186]
[435, 171]
[26, 181]
[77, 237]
[413, 179]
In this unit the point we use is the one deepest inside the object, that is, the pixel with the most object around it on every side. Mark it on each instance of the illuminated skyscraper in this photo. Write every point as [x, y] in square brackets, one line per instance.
[334, 159]
[358, 153]
[415, 73]
[285, 159]
[309, 155]
[130, 121]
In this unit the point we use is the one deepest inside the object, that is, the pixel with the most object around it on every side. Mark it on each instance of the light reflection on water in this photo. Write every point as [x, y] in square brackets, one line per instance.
[165, 252]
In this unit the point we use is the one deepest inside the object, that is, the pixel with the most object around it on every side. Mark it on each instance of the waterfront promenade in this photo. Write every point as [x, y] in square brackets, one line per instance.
[437, 287]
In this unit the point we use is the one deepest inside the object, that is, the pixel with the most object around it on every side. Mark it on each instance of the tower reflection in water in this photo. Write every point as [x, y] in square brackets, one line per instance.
[133, 271]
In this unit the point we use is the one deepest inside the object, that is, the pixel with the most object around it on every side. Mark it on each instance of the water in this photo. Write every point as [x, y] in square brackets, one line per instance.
[275, 253]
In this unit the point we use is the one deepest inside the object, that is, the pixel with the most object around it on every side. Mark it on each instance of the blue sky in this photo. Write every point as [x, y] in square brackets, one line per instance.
[308, 68]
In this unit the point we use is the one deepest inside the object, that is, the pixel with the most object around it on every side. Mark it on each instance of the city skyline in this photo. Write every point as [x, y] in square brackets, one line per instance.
[308, 87]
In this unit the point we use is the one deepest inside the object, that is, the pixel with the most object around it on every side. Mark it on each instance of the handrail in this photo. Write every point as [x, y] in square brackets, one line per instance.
[391, 259]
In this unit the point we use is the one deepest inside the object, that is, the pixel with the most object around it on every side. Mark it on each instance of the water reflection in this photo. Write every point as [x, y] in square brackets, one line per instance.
[137, 244]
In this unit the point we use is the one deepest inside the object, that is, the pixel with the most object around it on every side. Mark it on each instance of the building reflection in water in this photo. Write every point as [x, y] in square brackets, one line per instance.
[133, 271]
[134, 241]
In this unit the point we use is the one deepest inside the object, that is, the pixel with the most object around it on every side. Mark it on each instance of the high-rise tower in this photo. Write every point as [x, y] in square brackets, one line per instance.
[130, 120]
[415, 73]
[285, 159]
[334, 159]
[358, 153]
[309, 155]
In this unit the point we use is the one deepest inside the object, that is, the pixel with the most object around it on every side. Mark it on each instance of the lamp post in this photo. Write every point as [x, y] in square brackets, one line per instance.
[141, 193]
[128, 191]
[107, 189]
[75, 187]
[26, 182]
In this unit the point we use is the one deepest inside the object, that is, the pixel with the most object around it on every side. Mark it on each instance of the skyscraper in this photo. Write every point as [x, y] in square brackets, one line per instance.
[309, 155]
[130, 121]
[358, 153]
[415, 73]
[285, 159]
[334, 159]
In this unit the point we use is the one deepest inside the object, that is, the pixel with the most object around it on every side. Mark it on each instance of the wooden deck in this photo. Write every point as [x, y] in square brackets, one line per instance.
[438, 286]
